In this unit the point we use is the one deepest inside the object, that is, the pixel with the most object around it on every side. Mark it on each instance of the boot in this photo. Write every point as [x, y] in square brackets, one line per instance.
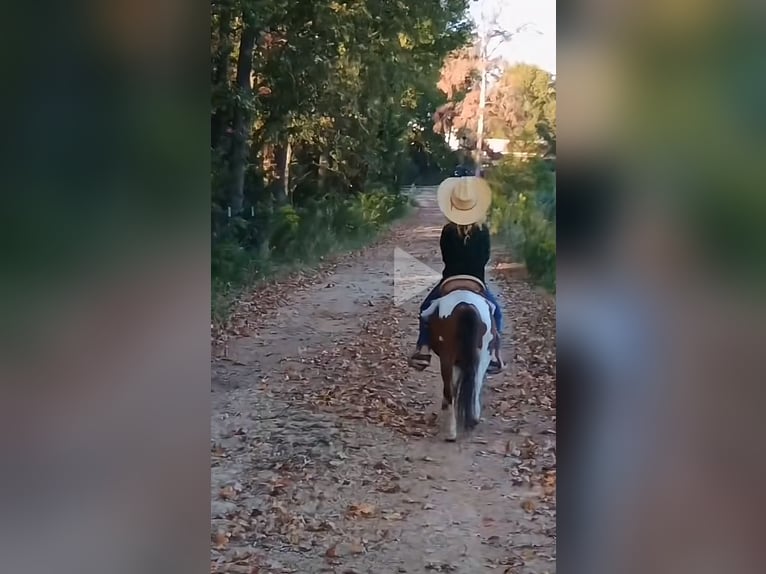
[496, 364]
[421, 358]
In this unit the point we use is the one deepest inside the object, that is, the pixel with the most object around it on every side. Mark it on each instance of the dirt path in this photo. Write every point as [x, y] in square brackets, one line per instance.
[325, 454]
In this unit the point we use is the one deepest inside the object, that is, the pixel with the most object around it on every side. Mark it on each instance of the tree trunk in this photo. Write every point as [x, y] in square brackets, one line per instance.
[276, 180]
[482, 106]
[241, 125]
[269, 162]
[286, 171]
[324, 164]
[221, 73]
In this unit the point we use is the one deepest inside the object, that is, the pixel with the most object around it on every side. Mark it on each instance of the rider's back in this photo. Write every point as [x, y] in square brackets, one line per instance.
[465, 253]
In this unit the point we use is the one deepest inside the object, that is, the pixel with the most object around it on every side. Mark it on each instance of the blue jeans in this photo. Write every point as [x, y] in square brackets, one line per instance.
[434, 294]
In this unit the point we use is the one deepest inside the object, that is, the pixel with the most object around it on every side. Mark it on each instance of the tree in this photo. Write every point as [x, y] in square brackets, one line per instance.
[523, 107]
[317, 97]
[465, 79]
[241, 120]
[458, 76]
[491, 36]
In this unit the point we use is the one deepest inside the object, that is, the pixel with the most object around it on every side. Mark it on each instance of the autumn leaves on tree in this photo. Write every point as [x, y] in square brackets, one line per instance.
[521, 103]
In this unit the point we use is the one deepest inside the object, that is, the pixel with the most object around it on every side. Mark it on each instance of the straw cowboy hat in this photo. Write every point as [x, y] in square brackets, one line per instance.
[464, 200]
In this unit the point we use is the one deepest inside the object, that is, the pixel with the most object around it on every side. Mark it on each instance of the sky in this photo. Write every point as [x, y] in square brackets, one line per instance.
[528, 47]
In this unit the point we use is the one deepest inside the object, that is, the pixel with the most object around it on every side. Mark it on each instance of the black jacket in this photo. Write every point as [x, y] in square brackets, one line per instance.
[464, 255]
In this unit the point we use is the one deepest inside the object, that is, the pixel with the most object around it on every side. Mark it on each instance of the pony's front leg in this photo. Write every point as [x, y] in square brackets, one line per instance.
[449, 422]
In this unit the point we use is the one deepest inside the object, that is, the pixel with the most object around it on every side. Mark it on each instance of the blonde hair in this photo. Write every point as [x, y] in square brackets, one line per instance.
[464, 231]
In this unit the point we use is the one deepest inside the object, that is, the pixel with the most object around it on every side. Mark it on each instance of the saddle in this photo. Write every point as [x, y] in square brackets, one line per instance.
[464, 282]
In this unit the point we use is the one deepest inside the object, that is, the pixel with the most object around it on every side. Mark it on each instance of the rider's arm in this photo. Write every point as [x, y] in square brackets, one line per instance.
[444, 243]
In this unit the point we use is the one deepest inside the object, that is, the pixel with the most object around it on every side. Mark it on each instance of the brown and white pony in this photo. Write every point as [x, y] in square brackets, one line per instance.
[461, 332]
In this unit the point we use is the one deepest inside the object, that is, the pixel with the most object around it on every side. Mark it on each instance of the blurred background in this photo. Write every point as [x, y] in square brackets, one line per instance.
[105, 287]
[660, 276]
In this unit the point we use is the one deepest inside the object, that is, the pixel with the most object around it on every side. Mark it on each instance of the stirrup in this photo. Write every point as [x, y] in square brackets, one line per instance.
[495, 367]
[420, 361]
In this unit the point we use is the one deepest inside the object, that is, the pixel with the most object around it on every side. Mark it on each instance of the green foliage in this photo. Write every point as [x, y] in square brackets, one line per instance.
[522, 107]
[346, 79]
[524, 215]
[380, 207]
[296, 236]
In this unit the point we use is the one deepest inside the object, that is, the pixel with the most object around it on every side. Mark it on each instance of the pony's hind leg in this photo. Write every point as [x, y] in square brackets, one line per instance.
[449, 423]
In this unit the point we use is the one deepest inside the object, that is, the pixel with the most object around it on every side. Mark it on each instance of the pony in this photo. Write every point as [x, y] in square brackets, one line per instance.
[461, 332]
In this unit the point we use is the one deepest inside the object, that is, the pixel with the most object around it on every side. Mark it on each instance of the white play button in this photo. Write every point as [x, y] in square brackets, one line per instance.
[411, 277]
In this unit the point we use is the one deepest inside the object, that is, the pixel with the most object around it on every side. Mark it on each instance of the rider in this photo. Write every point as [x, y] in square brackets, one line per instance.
[462, 171]
[465, 246]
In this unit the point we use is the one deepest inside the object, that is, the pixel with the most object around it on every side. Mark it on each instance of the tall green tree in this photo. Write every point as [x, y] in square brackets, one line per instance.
[522, 106]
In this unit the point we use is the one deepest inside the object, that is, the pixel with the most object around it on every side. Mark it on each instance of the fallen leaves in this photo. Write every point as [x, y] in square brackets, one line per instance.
[529, 506]
[391, 488]
[227, 493]
[220, 540]
[250, 311]
[367, 378]
[364, 510]
[549, 483]
[340, 550]
[440, 567]
[533, 341]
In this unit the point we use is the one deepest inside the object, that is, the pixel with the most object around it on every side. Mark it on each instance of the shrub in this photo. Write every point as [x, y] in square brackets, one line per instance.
[524, 215]
[250, 250]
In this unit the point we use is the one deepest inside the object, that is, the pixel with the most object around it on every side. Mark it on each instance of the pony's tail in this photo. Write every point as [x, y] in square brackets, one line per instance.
[468, 329]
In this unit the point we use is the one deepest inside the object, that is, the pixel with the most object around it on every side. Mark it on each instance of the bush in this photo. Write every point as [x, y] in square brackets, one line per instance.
[250, 250]
[524, 215]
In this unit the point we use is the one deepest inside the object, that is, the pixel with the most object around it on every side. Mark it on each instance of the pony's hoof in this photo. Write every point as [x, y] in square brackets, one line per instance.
[450, 425]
